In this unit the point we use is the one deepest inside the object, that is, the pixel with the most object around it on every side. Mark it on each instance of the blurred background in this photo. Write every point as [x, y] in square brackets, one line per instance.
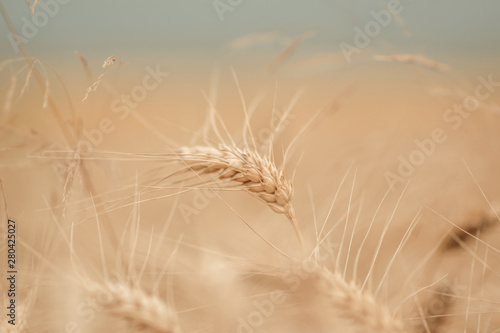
[365, 84]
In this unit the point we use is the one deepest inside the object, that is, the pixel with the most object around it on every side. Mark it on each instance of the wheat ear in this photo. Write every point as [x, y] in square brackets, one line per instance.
[352, 303]
[133, 304]
[257, 175]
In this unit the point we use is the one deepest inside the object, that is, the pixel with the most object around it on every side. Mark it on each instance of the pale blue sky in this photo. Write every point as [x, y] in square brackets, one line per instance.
[193, 26]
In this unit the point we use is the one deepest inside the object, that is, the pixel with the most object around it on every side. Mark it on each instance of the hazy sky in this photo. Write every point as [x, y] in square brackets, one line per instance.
[196, 24]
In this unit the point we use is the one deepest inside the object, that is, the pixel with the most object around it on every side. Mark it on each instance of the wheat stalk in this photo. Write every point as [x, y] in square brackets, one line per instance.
[133, 304]
[352, 303]
[417, 59]
[258, 175]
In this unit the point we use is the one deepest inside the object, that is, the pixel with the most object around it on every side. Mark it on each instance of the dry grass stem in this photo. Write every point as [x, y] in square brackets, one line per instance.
[9, 96]
[32, 6]
[293, 44]
[254, 38]
[93, 87]
[415, 59]
[107, 63]
[85, 65]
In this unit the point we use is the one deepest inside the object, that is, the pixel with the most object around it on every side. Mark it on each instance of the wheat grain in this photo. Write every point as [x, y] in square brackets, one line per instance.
[352, 303]
[109, 61]
[481, 223]
[258, 175]
[143, 311]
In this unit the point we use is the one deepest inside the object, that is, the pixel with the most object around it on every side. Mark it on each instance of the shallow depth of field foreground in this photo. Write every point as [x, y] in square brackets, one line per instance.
[236, 166]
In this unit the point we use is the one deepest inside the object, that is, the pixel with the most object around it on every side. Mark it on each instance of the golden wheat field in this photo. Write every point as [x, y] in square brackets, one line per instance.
[249, 166]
